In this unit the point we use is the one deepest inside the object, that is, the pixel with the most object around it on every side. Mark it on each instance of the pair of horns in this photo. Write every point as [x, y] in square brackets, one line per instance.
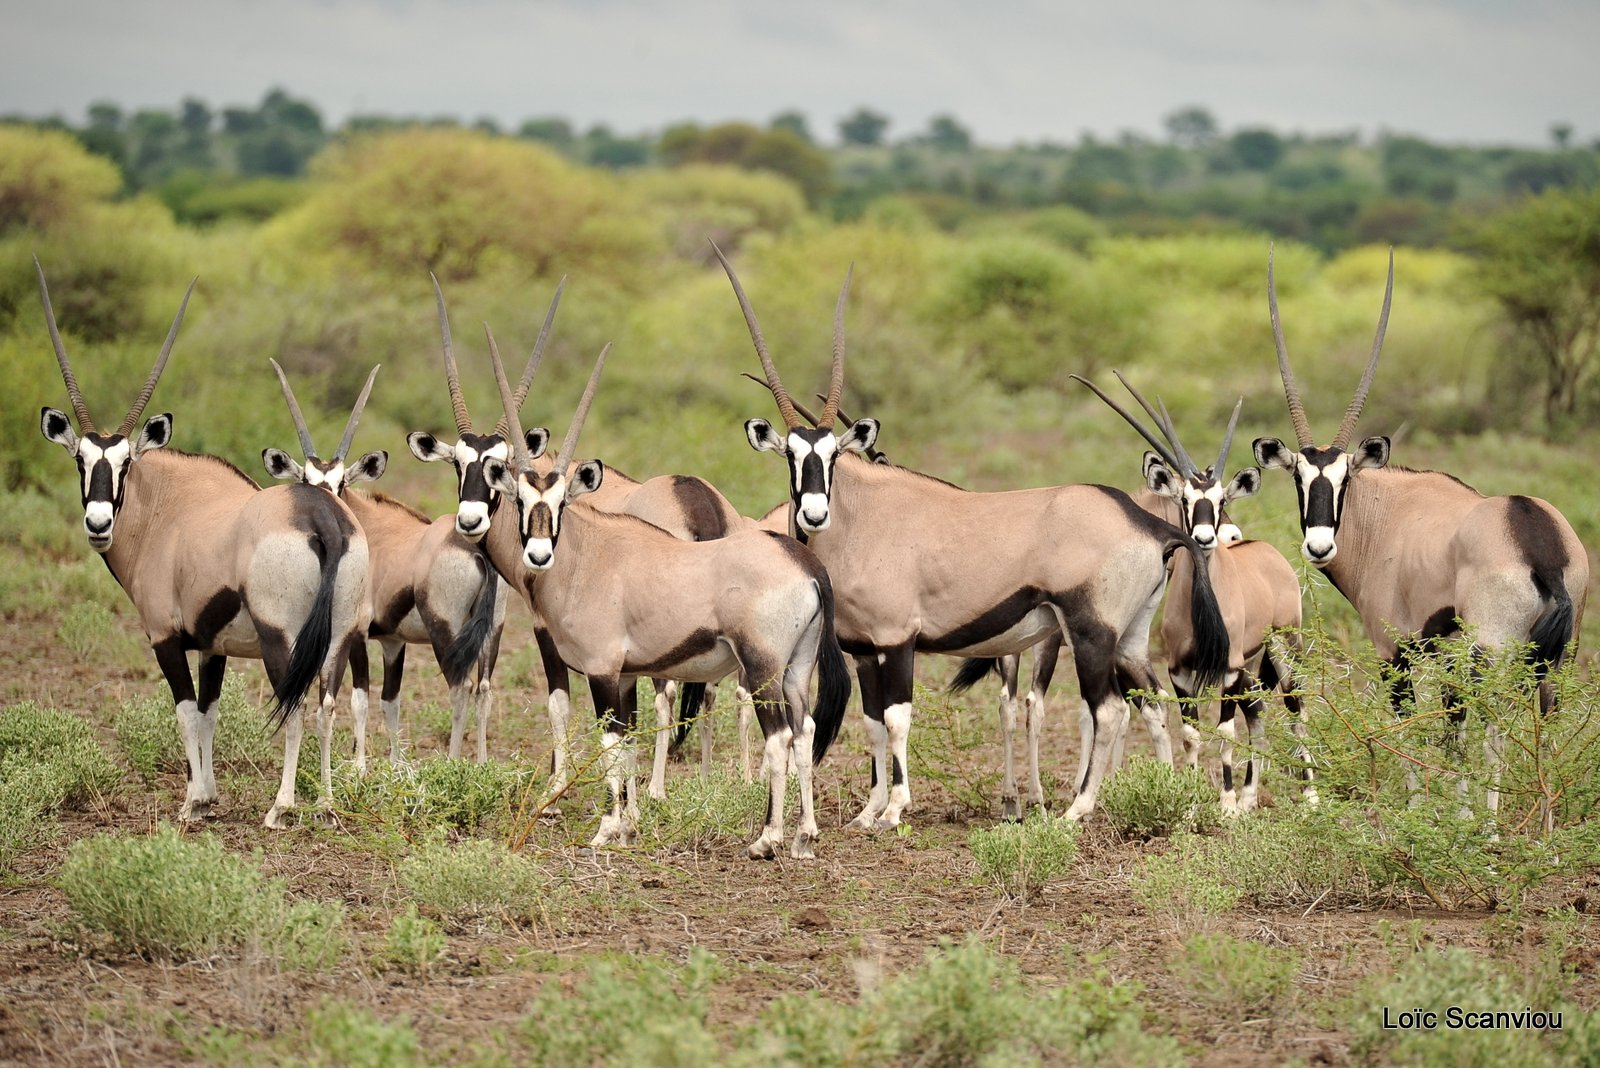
[1297, 411]
[511, 402]
[79, 408]
[300, 420]
[1172, 450]
[791, 412]
[458, 404]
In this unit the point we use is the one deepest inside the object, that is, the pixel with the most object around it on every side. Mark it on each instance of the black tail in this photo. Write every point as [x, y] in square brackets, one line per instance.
[457, 661]
[692, 695]
[1205, 616]
[972, 672]
[311, 645]
[833, 684]
[1553, 630]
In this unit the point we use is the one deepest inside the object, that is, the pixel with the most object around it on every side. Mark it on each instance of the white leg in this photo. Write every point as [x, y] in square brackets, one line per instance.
[207, 731]
[1256, 764]
[278, 815]
[195, 806]
[391, 723]
[706, 708]
[560, 706]
[805, 836]
[897, 720]
[1227, 729]
[1034, 706]
[767, 845]
[1086, 745]
[460, 708]
[1110, 720]
[485, 706]
[358, 722]
[658, 768]
[1494, 754]
[747, 713]
[325, 712]
[1155, 720]
[614, 825]
[878, 799]
[1010, 806]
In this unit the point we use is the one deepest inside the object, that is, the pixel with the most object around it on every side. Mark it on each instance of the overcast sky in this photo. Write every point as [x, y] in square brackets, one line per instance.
[1474, 71]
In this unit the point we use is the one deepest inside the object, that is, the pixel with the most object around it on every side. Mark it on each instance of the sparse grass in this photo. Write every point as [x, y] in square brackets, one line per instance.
[413, 799]
[1188, 895]
[1022, 858]
[479, 882]
[91, 631]
[339, 1035]
[29, 796]
[59, 740]
[147, 733]
[1152, 799]
[178, 897]
[414, 944]
[1236, 979]
[702, 812]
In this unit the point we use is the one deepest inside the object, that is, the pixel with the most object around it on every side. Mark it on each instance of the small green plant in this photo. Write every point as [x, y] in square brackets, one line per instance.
[1236, 979]
[61, 741]
[705, 811]
[1152, 799]
[1189, 895]
[29, 797]
[458, 794]
[414, 943]
[477, 881]
[91, 631]
[176, 897]
[1021, 858]
[337, 1035]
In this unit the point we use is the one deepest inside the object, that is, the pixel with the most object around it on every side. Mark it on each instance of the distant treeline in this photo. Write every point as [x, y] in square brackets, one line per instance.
[1331, 190]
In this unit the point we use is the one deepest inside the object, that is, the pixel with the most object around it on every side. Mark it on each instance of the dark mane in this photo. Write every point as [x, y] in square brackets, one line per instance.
[1430, 471]
[379, 497]
[216, 460]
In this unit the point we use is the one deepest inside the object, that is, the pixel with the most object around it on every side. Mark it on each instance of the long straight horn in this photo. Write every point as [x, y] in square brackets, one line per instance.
[1297, 410]
[1163, 421]
[306, 448]
[1161, 447]
[791, 418]
[451, 375]
[801, 408]
[1352, 413]
[830, 410]
[74, 394]
[132, 418]
[536, 357]
[519, 446]
[1227, 441]
[355, 416]
[570, 445]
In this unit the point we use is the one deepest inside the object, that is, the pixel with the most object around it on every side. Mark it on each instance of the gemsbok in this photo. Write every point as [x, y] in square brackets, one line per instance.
[685, 506]
[921, 565]
[1420, 554]
[1258, 591]
[624, 598]
[430, 586]
[216, 565]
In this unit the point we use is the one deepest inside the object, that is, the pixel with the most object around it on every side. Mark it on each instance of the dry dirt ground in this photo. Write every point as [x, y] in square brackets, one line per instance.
[868, 903]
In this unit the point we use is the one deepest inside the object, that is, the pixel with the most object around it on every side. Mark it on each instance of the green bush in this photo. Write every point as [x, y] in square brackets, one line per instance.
[702, 811]
[1236, 979]
[29, 796]
[440, 793]
[92, 632]
[1152, 799]
[338, 1035]
[46, 178]
[147, 733]
[61, 741]
[414, 943]
[1021, 858]
[179, 897]
[477, 880]
[1188, 894]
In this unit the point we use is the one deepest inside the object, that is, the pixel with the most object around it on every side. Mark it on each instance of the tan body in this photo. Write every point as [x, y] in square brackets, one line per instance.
[216, 565]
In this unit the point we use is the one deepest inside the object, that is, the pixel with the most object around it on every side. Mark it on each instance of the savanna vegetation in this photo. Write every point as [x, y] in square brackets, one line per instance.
[442, 914]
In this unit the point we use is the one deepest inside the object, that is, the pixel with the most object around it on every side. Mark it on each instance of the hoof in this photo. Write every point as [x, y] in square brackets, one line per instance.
[279, 819]
[194, 811]
[885, 823]
[1310, 797]
[1080, 809]
[804, 847]
[1010, 810]
[762, 849]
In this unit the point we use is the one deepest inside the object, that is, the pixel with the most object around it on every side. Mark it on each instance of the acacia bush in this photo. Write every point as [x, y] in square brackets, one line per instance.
[46, 178]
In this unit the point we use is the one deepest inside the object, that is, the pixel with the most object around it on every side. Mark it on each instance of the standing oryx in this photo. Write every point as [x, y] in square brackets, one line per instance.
[1256, 588]
[685, 506]
[623, 598]
[919, 564]
[217, 565]
[1419, 554]
[429, 586]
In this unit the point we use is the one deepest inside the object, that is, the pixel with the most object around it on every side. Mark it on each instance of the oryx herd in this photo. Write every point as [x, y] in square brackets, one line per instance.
[664, 579]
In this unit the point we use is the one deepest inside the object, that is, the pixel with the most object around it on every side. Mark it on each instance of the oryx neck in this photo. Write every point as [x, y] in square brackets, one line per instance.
[168, 493]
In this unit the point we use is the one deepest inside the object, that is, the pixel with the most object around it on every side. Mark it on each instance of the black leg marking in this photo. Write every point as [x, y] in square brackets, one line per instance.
[394, 669]
[174, 666]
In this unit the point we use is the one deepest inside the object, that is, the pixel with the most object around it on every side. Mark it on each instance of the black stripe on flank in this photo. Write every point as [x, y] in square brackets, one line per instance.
[699, 643]
[702, 516]
[997, 620]
[215, 614]
[1536, 535]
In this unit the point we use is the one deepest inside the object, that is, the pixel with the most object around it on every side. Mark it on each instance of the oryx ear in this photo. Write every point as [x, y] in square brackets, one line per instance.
[369, 468]
[1247, 483]
[1270, 452]
[538, 440]
[155, 435]
[1372, 452]
[586, 478]
[280, 464]
[57, 427]
[763, 438]
[498, 474]
[427, 448]
[860, 436]
[1159, 477]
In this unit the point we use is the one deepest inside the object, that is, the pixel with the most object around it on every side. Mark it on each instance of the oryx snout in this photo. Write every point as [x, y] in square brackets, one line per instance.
[538, 554]
[813, 515]
[472, 519]
[98, 518]
[1318, 546]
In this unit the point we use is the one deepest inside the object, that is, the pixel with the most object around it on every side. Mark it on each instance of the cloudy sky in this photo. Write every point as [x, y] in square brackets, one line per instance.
[1476, 71]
